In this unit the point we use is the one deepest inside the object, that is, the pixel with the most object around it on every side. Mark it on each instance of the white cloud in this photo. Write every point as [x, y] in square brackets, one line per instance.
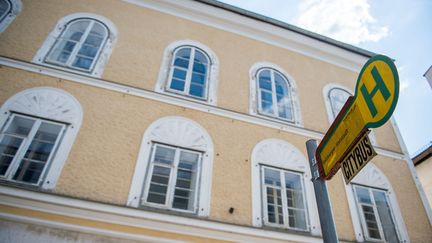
[347, 21]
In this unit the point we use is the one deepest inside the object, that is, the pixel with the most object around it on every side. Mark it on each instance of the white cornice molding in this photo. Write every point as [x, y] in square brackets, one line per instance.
[257, 30]
[106, 213]
[129, 90]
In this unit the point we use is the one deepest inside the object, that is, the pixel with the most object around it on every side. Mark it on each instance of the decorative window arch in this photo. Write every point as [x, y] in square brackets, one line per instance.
[335, 96]
[164, 143]
[189, 70]
[9, 9]
[80, 42]
[278, 156]
[371, 193]
[38, 128]
[273, 93]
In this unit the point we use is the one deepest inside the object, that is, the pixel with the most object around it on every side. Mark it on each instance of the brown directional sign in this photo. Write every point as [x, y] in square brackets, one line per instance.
[357, 157]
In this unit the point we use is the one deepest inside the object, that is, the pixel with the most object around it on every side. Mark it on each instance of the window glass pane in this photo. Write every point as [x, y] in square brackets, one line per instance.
[265, 80]
[371, 222]
[83, 62]
[159, 185]
[184, 194]
[199, 68]
[200, 57]
[281, 84]
[37, 154]
[198, 78]
[180, 62]
[88, 51]
[338, 97]
[363, 195]
[196, 90]
[76, 30]
[274, 206]
[20, 126]
[297, 219]
[294, 190]
[164, 155]
[386, 219]
[9, 146]
[272, 177]
[179, 74]
[184, 53]
[177, 84]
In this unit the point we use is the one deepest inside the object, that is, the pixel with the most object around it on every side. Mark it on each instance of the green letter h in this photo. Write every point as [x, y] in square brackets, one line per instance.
[380, 86]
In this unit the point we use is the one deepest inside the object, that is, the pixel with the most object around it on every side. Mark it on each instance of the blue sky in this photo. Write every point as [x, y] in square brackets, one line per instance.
[399, 29]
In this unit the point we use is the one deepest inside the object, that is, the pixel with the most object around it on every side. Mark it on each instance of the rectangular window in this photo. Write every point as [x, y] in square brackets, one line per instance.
[172, 179]
[27, 145]
[375, 213]
[284, 199]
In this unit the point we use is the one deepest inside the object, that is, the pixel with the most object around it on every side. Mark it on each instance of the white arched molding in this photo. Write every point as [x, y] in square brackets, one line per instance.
[104, 54]
[329, 110]
[213, 80]
[15, 9]
[281, 154]
[253, 100]
[371, 176]
[181, 132]
[53, 104]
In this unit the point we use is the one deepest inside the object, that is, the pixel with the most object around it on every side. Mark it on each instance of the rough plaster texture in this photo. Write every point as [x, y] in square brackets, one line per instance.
[137, 56]
[424, 172]
[102, 160]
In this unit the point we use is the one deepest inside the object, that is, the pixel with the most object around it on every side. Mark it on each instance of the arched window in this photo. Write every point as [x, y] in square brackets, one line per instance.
[9, 9]
[38, 127]
[189, 70]
[274, 97]
[337, 97]
[282, 193]
[374, 207]
[80, 42]
[273, 93]
[174, 166]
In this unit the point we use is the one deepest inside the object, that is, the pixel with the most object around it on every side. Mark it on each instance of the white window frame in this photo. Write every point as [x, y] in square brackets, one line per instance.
[330, 114]
[255, 102]
[165, 73]
[15, 9]
[179, 132]
[277, 153]
[52, 104]
[173, 175]
[371, 176]
[284, 199]
[27, 141]
[102, 56]
[189, 74]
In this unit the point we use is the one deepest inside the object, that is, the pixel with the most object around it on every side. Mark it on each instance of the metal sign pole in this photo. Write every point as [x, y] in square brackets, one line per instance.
[328, 227]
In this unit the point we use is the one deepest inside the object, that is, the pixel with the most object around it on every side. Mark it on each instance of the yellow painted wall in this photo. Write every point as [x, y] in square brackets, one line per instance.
[143, 35]
[102, 160]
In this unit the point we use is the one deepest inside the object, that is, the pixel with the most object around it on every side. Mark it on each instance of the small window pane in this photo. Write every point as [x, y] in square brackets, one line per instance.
[199, 68]
[272, 177]
[198, 78]
[76, 30]
[177, 84]
[196, 90]
[371, 222]
[297, 219]
[88, 51]
[164, 155]
[181, 62]
[83, 62]
[338, 97]
[8, 149]
[29, 171]
[363, 195]
[200, 57]
[179, 74]
[184, 53]
[20, 126]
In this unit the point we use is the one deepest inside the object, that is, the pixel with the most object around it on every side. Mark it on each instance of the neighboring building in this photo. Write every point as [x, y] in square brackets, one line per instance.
[428, 76]
[167, 121]
[423, 164]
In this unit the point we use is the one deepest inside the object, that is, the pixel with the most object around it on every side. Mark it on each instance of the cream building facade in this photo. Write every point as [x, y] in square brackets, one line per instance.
[172, 121]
